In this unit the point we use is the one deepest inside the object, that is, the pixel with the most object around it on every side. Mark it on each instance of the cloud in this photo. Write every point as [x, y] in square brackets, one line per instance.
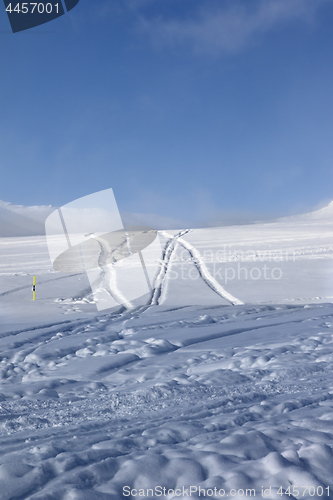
[215, 29]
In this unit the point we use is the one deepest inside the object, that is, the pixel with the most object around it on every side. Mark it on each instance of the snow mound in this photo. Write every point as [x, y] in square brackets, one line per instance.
[324, 214]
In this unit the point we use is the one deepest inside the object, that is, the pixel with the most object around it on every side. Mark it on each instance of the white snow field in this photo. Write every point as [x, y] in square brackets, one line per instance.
[219, 384]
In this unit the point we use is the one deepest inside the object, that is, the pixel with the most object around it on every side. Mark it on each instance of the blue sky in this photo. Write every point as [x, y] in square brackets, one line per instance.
[186, 108]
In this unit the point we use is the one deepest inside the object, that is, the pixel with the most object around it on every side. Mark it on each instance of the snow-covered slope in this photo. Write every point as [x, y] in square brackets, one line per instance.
[232, 398]
[151, 220]
[222, 380]
[20, 220]
[324, 214]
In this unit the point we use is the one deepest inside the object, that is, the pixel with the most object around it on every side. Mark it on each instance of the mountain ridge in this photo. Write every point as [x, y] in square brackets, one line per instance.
[22, 220]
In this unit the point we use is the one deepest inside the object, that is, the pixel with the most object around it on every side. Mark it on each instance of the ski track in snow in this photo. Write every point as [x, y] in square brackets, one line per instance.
[204, 273]
[237, 396]
[108, 275]
[232, 397]
[167, 256]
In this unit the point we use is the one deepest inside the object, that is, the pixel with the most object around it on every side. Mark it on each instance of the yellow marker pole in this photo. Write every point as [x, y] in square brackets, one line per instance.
[34, 289]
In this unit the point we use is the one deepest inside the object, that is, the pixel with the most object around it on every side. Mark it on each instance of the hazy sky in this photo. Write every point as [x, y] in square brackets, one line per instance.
[185, 108]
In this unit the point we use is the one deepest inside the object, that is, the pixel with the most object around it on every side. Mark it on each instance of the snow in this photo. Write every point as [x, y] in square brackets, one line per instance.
[218, 380]
[20, 220]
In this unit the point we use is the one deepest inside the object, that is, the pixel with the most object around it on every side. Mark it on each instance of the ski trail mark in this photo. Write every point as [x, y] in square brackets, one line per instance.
[108, 276]
[167, 255]
[204, 273]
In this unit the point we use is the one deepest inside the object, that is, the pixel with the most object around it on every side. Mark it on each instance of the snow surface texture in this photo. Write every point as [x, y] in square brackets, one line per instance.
[215, 381]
